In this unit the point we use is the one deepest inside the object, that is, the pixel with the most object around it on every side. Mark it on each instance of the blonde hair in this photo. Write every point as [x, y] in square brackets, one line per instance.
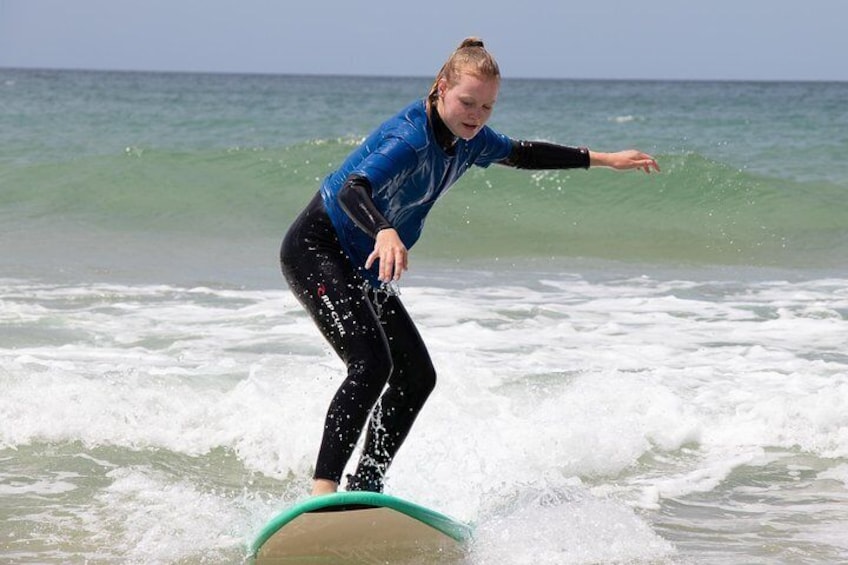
[471, 58]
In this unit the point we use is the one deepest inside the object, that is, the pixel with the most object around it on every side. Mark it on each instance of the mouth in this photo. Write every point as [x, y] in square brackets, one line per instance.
[469, 127]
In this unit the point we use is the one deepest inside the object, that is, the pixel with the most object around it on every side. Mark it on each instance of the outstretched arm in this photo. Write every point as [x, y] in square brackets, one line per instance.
[542, 155]
[624, 160]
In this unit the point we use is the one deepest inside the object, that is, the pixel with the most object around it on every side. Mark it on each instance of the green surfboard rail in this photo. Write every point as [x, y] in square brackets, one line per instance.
[455, 530]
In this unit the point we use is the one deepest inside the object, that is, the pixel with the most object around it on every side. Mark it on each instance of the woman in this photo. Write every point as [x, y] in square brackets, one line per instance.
[353, 239]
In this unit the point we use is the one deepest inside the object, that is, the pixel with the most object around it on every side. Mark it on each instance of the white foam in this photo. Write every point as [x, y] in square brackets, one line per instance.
[564, 525]
[838, 473]
[17, 486]
[645, 389]
[624, 119]
[144, 516]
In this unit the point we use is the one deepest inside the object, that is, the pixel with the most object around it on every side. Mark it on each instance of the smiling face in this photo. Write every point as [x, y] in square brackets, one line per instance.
[466, 105]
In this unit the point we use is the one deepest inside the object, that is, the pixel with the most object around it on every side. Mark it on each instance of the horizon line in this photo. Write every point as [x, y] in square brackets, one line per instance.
[407, 76]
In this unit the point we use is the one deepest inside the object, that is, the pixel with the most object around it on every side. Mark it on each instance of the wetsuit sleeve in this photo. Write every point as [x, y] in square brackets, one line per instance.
[355, 199]
[541, 155]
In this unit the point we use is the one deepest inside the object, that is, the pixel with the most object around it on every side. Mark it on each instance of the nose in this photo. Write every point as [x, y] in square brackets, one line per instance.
[476, 117]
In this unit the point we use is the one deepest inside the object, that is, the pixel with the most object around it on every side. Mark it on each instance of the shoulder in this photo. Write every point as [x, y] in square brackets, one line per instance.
[490, 145]
[405, 137]
[410, 125]
[398, 146]
[489, 137]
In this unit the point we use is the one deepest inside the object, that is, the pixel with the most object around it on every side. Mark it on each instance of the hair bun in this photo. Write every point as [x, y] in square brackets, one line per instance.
[469, 58]
[471, 42]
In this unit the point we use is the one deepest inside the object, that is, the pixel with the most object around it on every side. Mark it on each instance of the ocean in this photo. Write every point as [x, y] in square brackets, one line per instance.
[641, 369]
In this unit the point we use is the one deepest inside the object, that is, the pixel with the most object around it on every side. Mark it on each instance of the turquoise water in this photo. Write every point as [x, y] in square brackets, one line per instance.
[632, 368]
[753, 173]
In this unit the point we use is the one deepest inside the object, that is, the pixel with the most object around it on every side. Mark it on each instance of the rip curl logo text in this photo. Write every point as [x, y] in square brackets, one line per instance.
[337, 320]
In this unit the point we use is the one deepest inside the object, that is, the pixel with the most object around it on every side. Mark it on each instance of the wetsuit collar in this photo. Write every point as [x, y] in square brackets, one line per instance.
[445, 138]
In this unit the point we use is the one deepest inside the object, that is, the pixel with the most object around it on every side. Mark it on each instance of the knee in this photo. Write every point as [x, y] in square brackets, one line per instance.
[420, 380]
[428, 379]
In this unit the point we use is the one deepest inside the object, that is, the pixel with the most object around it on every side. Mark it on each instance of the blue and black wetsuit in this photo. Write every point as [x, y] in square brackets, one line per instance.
[391, 180]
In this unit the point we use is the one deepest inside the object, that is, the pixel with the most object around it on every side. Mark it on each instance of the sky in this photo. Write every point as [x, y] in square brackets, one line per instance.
[585, 39]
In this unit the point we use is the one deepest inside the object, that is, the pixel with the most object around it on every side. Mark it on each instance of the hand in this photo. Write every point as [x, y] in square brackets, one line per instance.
[624, 160]
[392, 254]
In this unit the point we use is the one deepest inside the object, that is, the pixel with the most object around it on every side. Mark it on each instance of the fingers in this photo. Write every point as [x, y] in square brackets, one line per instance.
[400, 265]
[393, 260]
[371, 258]
[640, 161]
[648, 164]
[392, 265]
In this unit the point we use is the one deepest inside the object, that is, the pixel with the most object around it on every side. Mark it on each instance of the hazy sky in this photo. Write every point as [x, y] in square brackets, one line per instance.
[662, 39]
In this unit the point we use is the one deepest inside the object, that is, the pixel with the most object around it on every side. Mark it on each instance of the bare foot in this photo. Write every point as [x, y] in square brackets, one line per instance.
[324, 486]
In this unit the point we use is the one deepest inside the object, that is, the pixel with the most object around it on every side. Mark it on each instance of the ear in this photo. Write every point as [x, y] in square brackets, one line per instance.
[443, 86]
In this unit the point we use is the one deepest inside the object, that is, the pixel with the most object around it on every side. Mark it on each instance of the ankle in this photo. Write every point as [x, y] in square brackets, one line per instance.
[324, 486]
[368, 483]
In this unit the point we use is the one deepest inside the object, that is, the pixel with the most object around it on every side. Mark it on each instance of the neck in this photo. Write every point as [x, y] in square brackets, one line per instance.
[444, 137]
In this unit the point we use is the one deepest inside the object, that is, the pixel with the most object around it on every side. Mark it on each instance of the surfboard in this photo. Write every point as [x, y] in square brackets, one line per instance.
[359, 527]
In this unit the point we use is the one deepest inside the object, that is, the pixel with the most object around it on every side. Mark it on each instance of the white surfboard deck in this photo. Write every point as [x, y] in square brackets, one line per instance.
[359, 527]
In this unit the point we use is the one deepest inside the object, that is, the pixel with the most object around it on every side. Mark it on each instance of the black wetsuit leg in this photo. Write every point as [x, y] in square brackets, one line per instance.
[375, 353]
[412, 380]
